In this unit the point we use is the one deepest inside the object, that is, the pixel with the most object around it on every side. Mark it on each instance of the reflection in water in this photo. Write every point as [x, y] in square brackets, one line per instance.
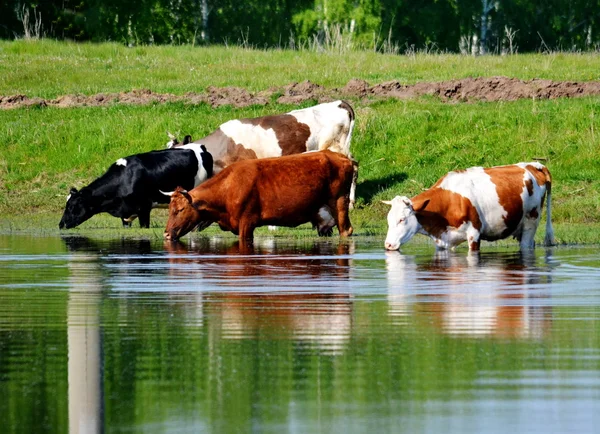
[84, 345]
[295, 337]
[476, 295]
[266, 293]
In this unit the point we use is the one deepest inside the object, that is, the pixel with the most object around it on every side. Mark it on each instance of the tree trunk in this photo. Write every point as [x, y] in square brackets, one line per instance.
[487, 6]
[204, 11]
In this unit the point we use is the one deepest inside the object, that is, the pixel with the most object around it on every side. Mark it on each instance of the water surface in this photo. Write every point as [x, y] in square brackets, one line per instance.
[303, 336]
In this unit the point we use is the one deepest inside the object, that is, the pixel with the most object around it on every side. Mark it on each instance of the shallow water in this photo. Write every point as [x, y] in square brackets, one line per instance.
[328, 336]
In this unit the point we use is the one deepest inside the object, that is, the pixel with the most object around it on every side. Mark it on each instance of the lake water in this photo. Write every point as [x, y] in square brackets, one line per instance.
[328, 336]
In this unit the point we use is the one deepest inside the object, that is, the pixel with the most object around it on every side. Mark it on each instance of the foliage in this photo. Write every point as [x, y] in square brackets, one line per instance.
[407, 25]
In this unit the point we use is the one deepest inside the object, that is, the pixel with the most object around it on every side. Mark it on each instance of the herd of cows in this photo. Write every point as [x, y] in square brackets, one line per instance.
[295, 168]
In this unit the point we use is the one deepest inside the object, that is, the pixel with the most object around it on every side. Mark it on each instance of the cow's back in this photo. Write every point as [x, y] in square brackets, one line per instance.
[288, 188]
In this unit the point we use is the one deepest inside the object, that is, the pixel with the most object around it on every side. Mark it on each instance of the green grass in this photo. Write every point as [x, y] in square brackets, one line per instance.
[48, 68]
[402, 146]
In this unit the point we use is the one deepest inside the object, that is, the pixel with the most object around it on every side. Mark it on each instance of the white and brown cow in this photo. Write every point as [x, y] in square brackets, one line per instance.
[316, 128]
[473, 205]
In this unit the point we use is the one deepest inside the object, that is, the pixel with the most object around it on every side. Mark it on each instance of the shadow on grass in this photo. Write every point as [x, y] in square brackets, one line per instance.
[366, 190]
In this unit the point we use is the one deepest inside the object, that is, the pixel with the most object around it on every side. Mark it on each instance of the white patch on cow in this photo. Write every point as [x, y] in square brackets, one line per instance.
[263, 142]
[326, 220]
[477, 186]
[170, 144]
[68, 197]
[121, 162]
[330, 127]
[201, 175]
[454, 236]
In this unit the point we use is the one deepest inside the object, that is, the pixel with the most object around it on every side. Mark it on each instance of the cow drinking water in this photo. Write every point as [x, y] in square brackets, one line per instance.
[473, 205]
[286, 191]
[131, 186]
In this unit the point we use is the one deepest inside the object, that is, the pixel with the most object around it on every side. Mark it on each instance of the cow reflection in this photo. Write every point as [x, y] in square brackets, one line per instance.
[472, 295]
[274, 290]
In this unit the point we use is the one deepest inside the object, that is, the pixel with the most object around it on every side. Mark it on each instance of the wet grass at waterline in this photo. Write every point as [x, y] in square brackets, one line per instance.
[368, 225]
[49, 69]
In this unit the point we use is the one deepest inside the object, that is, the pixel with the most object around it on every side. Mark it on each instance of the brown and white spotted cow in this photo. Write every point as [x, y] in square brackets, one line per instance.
[473, 205]
[285, 191]
[316, 128]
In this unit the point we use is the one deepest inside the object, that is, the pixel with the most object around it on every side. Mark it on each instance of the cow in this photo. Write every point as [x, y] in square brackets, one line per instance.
[131, 186]
[324, 126]
[473, 205]
[285, 191]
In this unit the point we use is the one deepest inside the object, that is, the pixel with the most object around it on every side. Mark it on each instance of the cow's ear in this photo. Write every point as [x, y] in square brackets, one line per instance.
[422, 206]
[183, 192]
[187, 139]
[73, 191]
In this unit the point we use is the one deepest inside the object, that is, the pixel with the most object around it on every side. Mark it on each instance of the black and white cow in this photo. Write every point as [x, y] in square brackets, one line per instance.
[132, 186]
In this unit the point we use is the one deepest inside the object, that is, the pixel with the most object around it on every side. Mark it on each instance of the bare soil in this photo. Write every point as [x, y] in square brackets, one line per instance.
[463, 90]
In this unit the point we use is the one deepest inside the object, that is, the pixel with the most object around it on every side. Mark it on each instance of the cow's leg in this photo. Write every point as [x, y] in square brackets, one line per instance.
[246, 232]
[144, 216]
[340, 212]
[473, 238]
[530, 224]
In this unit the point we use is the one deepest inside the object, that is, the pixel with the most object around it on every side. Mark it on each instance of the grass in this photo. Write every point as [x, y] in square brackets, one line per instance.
[48, 68]
[402, 146]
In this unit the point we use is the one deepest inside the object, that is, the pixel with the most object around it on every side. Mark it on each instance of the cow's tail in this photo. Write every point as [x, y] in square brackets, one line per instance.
[549, 238]
[346, 146]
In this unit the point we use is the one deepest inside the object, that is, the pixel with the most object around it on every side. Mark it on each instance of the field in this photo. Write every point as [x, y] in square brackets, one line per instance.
[402, 145]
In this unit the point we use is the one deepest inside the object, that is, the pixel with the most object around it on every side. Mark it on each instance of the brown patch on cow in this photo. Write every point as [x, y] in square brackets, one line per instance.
[509, 187]
[445, 209]
[529, 185]
[541, 175]
[291, 134]
[236, 152]
[538, 174]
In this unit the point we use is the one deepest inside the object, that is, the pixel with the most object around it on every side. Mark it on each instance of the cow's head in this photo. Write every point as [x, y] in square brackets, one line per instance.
[184, 215]
[402, 221]
[78, 209]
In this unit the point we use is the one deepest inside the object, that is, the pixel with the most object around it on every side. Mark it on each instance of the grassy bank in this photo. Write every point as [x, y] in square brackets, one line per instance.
[402, 146]
[48, 68]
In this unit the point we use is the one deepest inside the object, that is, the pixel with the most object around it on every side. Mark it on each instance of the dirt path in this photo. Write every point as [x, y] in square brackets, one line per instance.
[464, 90]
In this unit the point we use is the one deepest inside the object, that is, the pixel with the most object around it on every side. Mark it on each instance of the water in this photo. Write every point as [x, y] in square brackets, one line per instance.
[139, 336]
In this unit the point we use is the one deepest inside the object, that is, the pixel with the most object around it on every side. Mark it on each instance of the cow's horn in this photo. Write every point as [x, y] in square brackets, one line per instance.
[387, 202]
[167, 193]
[171, 136]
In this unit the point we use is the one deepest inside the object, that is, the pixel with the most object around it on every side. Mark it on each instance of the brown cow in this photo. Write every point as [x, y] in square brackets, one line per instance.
[285, 191]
